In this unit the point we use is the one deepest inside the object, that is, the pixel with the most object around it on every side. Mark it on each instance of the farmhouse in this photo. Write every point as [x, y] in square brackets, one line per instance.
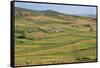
[57, 30]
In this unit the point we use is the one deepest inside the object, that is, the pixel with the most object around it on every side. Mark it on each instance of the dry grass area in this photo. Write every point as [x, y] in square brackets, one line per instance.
[48, 39]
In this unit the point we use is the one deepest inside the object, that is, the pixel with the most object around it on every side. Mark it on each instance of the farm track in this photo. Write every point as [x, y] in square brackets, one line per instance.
[60, 45]
[51, 49]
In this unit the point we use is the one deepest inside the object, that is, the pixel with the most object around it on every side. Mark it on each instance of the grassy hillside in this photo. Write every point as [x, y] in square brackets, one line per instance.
[50, 37]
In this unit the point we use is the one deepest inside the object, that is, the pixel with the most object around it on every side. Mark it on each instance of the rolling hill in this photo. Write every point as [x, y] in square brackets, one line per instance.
[51, 37]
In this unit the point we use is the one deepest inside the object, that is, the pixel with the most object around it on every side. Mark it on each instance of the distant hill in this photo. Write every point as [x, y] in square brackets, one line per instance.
[91, 15]
[37, 12]
[51, 16]
[50, 12]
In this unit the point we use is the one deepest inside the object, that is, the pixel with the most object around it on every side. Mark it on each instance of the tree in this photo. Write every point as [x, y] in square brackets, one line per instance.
[91, 29]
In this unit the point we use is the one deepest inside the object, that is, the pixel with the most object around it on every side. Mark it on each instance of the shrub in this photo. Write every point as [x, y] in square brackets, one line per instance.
[91, 29]
[87, 25]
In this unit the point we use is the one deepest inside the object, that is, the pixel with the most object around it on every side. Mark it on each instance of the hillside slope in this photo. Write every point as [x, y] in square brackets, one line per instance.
[51, 37]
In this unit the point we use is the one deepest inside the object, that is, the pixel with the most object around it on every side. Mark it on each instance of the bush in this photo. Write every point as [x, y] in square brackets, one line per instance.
[87, 25]
[91, 29]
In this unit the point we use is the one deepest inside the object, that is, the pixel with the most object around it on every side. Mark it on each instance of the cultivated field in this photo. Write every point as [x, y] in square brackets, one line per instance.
[48, 37]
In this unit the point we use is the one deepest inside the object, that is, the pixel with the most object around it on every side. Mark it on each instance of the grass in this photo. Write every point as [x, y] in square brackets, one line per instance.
[62, 49]
[44, 46]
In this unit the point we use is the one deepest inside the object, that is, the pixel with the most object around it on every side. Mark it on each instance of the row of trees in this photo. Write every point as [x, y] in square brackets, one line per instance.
[85, 25]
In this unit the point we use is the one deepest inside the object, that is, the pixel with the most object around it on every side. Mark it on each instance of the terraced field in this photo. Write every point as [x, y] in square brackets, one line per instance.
[55, 41]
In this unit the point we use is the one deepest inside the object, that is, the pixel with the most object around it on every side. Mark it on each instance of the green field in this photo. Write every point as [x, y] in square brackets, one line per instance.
[52, 38]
